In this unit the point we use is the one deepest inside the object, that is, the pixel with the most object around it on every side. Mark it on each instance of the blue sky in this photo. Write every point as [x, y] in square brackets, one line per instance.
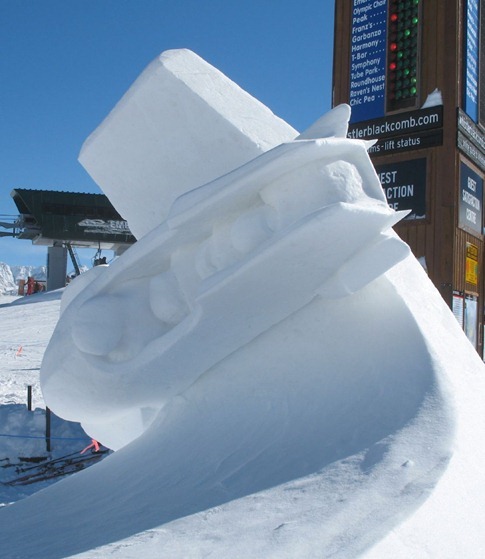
[64, 64]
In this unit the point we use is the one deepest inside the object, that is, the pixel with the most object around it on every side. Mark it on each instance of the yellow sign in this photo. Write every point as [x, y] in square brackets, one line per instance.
[471, 271]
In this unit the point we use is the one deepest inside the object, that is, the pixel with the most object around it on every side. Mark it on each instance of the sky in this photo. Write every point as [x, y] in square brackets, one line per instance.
[64, 65]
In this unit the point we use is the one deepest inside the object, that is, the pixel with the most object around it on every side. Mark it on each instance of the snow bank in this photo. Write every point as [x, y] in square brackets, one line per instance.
[181, 124]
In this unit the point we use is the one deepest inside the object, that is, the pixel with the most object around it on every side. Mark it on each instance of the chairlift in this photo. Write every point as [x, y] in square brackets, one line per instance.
[99, 260]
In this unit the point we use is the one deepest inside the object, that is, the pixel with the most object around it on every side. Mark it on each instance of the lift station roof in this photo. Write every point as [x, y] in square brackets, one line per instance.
[85, 220]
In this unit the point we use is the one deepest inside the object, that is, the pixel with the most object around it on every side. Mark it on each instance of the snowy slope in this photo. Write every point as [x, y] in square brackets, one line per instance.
[26, 325]
[278, 374]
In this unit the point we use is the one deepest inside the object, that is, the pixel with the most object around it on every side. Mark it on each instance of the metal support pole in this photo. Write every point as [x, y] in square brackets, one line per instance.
[29, 397]
[48, 429]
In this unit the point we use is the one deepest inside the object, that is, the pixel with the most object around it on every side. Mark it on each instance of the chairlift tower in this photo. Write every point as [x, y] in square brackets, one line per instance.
[64, 221]
[413, 73]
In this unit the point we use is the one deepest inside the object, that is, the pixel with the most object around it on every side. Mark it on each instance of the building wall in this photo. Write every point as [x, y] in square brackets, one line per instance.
[452, 252]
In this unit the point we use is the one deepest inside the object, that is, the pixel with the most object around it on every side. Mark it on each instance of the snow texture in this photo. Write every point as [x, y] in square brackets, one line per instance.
[433, 99]
[26, 324]
[275, 370]
[181, 124]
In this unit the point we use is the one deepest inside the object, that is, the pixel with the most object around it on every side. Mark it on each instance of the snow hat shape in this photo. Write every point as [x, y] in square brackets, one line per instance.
[181, 124]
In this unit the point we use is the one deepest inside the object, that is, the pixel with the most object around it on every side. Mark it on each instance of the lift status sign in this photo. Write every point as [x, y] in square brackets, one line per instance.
[368, 59]
[472, 53]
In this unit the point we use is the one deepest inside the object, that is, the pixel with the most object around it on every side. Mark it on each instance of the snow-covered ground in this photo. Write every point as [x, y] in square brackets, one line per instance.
[26, 325]
[275, 370]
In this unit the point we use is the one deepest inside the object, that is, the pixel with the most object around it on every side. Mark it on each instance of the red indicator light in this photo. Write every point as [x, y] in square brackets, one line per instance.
[393, 47]
[394, 17]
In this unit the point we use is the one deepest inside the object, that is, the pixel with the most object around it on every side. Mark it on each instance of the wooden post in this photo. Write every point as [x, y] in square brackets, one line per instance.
[29, 397]
[48, 429]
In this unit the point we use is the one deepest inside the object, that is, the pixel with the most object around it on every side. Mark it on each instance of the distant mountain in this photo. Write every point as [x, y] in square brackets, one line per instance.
[9, 276]
[7, 281]
[23, 272]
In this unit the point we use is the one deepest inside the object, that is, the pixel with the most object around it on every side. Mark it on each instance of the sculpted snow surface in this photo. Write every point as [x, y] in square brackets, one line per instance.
[273, 335]
[181, 124]
[171, 308]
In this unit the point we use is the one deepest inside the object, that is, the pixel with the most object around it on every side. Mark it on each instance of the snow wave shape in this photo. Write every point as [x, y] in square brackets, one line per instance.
[233, 259]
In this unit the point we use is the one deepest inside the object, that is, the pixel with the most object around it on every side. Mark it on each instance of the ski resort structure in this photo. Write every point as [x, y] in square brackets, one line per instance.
[413, 73]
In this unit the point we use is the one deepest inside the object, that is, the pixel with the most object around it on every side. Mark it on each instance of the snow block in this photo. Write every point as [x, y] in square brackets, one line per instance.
[181, 124]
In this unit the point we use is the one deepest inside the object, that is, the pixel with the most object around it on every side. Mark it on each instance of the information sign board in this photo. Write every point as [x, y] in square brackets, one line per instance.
[404, 184]
[471, 264]
[471, 140]
[458, 307]
[471, 196]
[471, 62]
[397, 133]
[368, 59]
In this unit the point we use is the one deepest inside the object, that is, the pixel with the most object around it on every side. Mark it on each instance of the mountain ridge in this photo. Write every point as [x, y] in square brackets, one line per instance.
[10, 276]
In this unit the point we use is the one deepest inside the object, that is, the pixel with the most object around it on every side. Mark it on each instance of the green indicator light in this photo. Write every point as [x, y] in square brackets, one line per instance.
[413, 91]
[415, 20]
[407, 33]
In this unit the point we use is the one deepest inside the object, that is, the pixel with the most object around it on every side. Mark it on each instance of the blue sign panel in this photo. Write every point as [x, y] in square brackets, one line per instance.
[471, 59]
[471, 196]
[368, 59]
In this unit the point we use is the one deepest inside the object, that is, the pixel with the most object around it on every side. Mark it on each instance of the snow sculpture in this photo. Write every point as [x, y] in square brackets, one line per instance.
[181, 124]
[273, 233]
[269, 344]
